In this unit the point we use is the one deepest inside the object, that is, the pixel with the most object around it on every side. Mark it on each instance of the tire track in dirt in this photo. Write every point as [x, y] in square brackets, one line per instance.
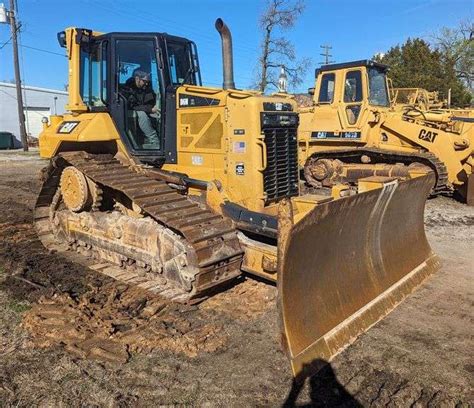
[111, 321]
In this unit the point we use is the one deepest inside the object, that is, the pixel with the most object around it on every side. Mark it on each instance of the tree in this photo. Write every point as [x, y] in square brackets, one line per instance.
[277, 51]
[415, 65]
[457, 47]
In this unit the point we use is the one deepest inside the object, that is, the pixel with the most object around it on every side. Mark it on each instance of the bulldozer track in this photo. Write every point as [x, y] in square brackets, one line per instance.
[391, 157]
[212, 238]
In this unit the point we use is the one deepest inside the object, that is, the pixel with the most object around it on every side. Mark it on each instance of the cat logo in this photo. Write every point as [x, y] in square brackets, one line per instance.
[67, 127]
[427, 135]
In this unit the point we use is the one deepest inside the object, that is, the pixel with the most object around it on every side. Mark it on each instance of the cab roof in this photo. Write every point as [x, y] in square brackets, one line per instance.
[351, 64]
[145, 34]
[128, 34]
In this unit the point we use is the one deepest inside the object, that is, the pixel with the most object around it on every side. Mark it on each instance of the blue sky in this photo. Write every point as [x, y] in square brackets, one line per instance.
[355, 29]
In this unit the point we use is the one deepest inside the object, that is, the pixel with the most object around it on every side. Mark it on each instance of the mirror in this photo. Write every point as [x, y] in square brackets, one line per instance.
[62, 39]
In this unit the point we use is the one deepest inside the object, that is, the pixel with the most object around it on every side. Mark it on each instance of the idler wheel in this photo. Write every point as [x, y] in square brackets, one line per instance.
[75, 190]
[319, 170]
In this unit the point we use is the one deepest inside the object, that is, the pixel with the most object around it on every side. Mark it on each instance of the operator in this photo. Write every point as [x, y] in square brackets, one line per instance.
[141, 98]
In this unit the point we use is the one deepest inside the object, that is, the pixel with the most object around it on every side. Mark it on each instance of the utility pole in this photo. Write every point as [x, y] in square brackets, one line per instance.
[19, 94]
[326, 55]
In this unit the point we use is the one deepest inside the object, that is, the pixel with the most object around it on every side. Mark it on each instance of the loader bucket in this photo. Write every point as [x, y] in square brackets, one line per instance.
[347, 264]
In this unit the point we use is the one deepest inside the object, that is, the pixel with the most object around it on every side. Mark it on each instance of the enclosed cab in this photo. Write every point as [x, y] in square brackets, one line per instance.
[342, 100]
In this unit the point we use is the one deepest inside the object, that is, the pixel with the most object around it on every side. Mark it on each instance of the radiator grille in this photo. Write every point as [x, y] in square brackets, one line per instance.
[280, 177]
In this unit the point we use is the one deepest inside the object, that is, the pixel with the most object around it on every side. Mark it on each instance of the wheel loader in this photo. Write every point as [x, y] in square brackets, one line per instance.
[208, 189]
[352, 131]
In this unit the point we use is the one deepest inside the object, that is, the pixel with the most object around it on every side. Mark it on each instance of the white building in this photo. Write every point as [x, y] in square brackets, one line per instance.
[37, 102]
[283, 81]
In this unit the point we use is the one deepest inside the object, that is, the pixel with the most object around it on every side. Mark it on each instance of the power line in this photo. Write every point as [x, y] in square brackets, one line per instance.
[6, 93]
[18, 26]
[19, 31]
[172, 24]
[6, 43]
[37, 49]
[240, 51]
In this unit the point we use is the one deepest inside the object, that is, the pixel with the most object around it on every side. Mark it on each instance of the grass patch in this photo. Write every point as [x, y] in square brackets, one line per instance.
[18, 307]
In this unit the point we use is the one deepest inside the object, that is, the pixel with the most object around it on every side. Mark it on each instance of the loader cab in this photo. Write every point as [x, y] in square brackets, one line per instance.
[343, 91]
[134, 77]
[347, 98]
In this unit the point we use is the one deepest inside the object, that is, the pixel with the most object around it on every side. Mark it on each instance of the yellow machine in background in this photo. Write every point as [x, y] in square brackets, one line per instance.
[415, 97]
[352, 131]
[216, 192]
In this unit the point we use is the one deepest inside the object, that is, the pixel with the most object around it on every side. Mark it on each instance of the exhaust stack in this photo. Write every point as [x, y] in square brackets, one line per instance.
[227, 57]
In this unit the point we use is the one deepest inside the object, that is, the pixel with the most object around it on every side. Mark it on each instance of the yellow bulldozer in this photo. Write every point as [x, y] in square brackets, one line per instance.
[180, 188]
[352, 131]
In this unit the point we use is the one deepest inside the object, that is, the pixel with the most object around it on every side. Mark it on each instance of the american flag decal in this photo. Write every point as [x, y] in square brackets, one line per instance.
[239, 147]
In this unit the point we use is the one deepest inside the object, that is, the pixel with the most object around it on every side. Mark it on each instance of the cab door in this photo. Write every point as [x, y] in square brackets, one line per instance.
[137, 105]
[325, 122]
[352, 100]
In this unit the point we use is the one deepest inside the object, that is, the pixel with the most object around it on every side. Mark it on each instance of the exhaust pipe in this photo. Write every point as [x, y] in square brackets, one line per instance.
[227, 57]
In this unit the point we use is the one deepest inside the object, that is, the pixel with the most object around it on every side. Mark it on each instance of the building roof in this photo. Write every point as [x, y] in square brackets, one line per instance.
[33, 88]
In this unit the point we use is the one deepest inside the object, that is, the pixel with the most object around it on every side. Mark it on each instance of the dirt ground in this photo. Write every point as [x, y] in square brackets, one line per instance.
[70, 337]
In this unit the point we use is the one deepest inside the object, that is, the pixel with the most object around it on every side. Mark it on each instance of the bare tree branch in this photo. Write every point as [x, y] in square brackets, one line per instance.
[457, 48]
[279, 15]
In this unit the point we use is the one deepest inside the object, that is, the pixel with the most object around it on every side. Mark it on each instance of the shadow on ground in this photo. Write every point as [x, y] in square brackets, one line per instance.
[324, 388]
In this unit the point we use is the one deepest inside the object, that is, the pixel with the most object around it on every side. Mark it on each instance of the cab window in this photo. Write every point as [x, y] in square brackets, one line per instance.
[353, 95]
[181, 63]
[326, 92]
[353, 87]
[378, 94]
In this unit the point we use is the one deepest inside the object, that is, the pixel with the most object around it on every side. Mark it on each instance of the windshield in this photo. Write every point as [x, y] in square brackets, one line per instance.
[378, 94]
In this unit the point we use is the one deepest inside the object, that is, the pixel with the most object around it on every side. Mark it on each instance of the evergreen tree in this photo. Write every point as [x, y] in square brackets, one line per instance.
[415, 65]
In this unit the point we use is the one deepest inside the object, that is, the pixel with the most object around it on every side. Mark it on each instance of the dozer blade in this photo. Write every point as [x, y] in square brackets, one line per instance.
[346, 265]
